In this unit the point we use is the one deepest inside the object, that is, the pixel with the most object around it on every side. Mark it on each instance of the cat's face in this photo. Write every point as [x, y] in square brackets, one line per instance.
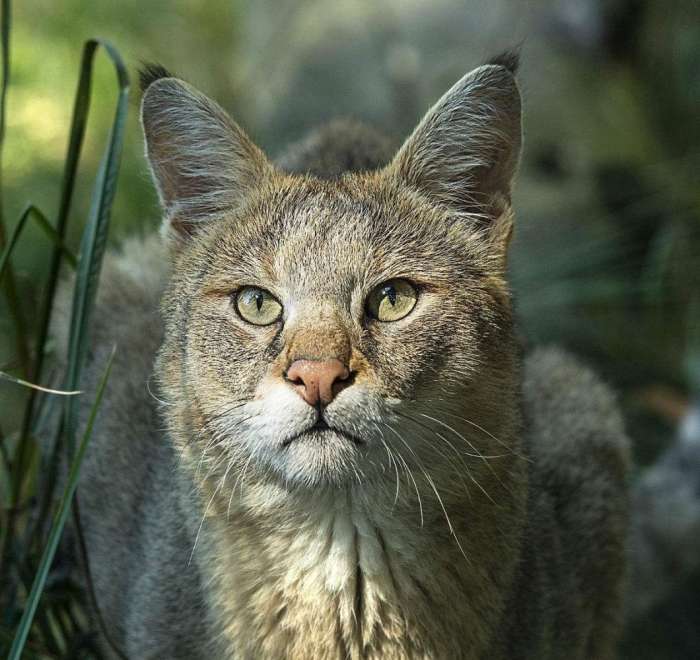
[321, 331]
[307, 273]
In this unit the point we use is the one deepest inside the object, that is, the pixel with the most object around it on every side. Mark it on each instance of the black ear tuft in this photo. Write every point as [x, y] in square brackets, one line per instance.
[149, 73]
[510, 59]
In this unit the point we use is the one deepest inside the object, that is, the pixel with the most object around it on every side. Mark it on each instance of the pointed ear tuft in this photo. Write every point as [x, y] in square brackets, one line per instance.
[510, 59]
[202, 162]
[465, 151]
[150, 72]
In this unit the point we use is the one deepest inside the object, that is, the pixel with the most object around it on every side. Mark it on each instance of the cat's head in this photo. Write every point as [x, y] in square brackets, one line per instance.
[322, 331]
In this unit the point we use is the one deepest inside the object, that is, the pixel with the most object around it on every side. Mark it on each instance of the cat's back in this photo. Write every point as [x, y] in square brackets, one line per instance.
[336, 148]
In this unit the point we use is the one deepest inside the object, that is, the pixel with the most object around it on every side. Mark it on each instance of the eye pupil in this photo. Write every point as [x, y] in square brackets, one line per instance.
[390, 293]
[259, 299]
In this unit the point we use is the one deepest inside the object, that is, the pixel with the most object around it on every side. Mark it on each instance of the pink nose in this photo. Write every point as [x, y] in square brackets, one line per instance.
[317, 380]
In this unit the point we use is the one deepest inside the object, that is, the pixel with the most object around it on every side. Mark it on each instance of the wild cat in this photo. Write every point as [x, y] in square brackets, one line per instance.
[350, 458]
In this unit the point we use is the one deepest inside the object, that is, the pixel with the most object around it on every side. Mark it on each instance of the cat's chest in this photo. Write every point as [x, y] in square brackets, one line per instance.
[347, 581]
[340, 582]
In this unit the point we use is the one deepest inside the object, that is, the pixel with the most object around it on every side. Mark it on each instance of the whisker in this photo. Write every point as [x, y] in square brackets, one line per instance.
[357, 475]
[415, 485]
[391, 461]
[483, 458]
[212, 467]
[432, 484]
[454, 449]
[213, 419]
[204, 515]
[239, 477]
[153, 396]
[483, 430]
[216, 439]
[437, 494]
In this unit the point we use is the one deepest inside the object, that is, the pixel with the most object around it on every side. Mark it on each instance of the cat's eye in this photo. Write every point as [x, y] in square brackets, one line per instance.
[392, 300]
[257, 306]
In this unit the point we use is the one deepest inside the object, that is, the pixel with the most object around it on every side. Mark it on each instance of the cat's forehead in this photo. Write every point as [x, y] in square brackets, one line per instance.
[320, 234]
[318, 212]
[327, 216]
[326, 245]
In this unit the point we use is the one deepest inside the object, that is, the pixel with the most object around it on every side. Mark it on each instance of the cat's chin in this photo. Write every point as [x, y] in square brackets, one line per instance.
[322, 457]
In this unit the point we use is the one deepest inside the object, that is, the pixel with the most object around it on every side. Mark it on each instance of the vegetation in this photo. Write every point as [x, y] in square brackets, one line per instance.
[30, 459]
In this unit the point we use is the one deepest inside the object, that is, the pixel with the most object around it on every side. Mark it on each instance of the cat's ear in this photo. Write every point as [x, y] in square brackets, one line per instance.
[465, 151]
[202, 162]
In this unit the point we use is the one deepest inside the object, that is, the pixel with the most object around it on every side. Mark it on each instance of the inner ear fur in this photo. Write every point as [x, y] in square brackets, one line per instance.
[202, 162]
[465, 151]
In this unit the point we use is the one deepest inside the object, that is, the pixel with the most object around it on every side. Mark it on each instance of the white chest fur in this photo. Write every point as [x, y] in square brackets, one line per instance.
[335, 579]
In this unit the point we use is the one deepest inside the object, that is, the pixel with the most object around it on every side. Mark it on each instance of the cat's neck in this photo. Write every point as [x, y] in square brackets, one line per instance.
[330, 572]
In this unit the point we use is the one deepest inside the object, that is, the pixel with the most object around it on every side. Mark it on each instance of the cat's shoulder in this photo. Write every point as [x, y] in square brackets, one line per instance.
[580, 461]
[572, 417]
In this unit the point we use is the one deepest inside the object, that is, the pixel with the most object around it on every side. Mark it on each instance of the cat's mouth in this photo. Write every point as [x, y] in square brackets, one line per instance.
[322, 431]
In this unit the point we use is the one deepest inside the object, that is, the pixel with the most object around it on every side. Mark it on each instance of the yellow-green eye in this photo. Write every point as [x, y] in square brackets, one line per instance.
[257, 306]
[392, 300]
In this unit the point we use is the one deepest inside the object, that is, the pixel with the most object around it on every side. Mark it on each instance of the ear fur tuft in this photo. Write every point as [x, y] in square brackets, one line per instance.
[150, 72]
[510, 59]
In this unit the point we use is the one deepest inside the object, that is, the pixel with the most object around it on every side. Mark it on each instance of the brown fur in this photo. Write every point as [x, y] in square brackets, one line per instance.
[453, 510]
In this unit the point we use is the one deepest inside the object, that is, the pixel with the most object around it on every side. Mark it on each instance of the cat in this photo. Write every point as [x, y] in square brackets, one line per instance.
[347, 454]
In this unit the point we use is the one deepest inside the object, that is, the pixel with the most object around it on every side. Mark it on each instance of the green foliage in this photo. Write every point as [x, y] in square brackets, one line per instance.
[37, 607]
[34, 597]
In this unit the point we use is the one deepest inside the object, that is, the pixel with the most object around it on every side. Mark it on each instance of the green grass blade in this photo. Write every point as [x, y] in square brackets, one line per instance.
[33, 212]
[5, 465]
[44, 224]
[90, 260]
[9, 283]
[59, 523]
[692, 358]
[24, 383]
[5, 47]
[95, 236]
[10, 245]
[6, 639]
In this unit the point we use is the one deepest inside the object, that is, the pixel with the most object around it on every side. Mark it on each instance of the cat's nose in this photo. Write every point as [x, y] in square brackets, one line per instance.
[317, 381]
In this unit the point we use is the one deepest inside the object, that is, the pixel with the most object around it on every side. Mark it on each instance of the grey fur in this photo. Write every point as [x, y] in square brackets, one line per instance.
[341, 146]
[559, 585]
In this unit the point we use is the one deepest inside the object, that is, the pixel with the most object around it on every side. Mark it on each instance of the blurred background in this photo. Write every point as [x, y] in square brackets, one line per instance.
[606, 259]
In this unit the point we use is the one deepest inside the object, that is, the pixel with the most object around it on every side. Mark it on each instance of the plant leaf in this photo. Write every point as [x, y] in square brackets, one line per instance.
[95, 235]
[58, 524]
[41, 220]
[24, 383]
